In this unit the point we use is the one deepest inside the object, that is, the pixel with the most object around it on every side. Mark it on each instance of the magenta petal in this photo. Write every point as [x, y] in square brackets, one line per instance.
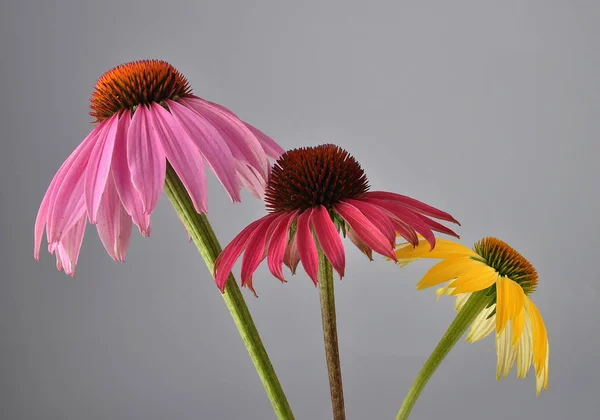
[405, 231]
[378, 216]
[211, 144]
[307, 250]
[272, 149]
[291, 257]
[114, 224]
[67, 251]
[122, 177]
[277, 245]
[146, 159]
[435, 226]
[366, 230]
[412, 204]
[235, 130]
[98, 166]
[67, 202]
[362, 247]
[227, 258]
[182, 154]
[255, 249]
[329, 239]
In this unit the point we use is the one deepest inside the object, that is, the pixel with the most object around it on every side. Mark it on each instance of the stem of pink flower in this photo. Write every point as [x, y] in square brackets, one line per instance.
[465, 317]
[332, 353]
[203, 236]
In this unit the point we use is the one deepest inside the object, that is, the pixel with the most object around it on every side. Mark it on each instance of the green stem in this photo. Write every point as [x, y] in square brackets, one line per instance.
[332, 353]
[203, 236]
[474, 305]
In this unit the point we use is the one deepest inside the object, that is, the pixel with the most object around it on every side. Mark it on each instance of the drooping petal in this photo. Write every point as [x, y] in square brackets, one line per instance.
[405, 231]
[122, 177]
[98, 167]
[67, 203]
[307, 250]
[67, 250]
[146, 159]
[291, 257]
[505, 351]
[541, 377]
[250, 179]
[460, 301]
[255, 248]
[114, 224]
[483, 325]
[518, 323]
[479, 276]
[525, 350]
[445, 271]
[182, 154]
[234, 130]
[411, 203]
[539, 336]
[271, 148]
[510, 300]
[436, 227]
[443, 249]
[48, 201]
[366, 230]
[329, 239]
[362, 247]
[227, 258]
[211, 144]
[378, 216]
[277, 245]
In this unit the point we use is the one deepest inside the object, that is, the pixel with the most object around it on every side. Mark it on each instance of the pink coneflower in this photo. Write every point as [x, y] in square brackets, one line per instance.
[313, 193]
[146, 116]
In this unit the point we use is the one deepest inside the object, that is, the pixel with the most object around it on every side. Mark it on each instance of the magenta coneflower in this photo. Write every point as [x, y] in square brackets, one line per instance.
[146, 116]
[313, 193]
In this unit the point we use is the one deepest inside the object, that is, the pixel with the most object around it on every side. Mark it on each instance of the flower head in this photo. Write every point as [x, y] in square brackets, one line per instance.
[313, 193]
[509, 278]
[146, 116]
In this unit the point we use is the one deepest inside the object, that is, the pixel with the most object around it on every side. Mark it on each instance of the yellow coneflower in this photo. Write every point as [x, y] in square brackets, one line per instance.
[495, 282]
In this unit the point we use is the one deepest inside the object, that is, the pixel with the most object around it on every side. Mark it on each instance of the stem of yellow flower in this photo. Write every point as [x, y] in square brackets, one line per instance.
[474, 305]
[332, 353]
[203, 236]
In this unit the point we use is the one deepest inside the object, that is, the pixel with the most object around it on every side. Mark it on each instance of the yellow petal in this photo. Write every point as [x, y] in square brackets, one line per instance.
[517, 327]
[510, 300]
[541, 379]
[478, 277]
[460, 300]
[540, 336]
[445, 271]
[483, 325]
[505, 352]
[525, 350]
[443, 249]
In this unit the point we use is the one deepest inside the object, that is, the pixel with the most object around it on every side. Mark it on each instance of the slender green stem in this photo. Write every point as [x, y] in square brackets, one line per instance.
[203, 236]
[332, 353]
[474, 305]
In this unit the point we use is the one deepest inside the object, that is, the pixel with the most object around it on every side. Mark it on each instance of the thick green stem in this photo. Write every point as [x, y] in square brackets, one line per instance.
[474, 305]
[203, 236]
[332, 353]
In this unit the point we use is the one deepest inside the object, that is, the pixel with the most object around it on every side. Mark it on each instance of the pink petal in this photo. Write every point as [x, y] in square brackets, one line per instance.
[98, 167]
[366, 230]
[291, 257]
[122, 177]
[378, 216]
[435, 226]
[146, 159]
[114, 224]
[48, 201]
[234, 130]
[211, 145]
[67, 202]
[272, 149]
[67, 251]
[277, 245]
[407, 216]
[412, 204]
[182, 154]
[255, 249]
[329, 239]
[362, 247]
[251, 180]
[405, 231]
[227, 258]
[307, 250]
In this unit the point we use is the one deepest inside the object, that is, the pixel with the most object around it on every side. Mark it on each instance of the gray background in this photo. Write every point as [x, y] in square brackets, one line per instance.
[486, 109]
